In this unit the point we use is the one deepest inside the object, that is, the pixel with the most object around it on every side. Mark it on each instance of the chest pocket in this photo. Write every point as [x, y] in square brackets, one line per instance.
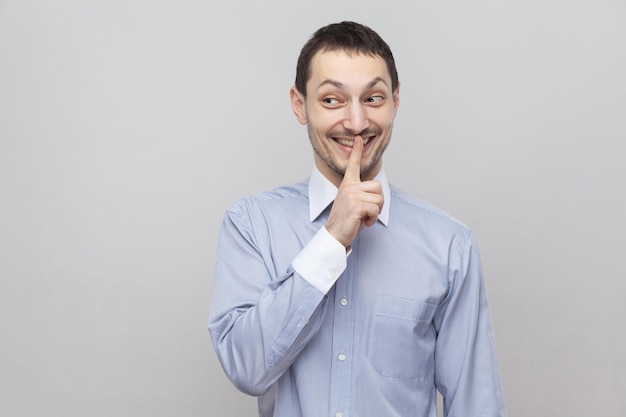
[400, 343]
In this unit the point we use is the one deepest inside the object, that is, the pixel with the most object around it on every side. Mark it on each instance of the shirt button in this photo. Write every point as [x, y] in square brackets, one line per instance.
[343, 301]
[338, 414]
[332, 273]
[342, 357]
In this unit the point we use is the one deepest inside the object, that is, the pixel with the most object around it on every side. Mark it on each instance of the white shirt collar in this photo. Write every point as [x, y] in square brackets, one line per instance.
[322, 192]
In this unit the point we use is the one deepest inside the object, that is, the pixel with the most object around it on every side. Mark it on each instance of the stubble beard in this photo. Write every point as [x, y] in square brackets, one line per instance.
[325, 155]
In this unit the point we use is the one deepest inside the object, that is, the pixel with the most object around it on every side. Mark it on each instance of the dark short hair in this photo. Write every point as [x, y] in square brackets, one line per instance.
[351, 37]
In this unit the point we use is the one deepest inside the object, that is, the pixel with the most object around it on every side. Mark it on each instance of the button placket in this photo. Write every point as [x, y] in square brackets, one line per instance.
[343, 340]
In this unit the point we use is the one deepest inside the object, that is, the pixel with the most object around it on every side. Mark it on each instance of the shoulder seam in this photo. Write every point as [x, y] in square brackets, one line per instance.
[401, 195]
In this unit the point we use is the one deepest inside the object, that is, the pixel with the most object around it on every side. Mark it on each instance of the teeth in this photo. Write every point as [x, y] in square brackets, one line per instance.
[350, 143]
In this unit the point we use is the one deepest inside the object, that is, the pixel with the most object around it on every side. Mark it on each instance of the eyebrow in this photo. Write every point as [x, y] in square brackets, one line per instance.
[338, 84]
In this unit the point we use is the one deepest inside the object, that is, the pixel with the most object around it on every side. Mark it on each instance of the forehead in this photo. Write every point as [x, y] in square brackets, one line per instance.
[350, 69]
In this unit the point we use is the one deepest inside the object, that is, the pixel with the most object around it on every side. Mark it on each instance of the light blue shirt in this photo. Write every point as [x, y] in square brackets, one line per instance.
[314, 331]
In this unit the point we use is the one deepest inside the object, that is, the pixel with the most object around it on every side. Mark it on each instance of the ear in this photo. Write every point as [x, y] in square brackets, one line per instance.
[396, 97]
[298, 104]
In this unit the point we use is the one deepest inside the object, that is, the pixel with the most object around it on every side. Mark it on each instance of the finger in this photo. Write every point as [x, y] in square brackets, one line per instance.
[372, 186]
[370, 221]
[371, 215]
[353, 170]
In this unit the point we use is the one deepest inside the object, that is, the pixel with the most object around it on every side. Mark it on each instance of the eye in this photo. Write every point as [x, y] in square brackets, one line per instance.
[330, 101]
[374, 99]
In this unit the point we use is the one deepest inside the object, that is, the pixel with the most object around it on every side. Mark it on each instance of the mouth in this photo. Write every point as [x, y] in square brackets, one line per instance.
[349, 142]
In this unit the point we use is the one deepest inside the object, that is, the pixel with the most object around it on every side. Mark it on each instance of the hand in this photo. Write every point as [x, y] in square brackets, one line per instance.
[357, 204]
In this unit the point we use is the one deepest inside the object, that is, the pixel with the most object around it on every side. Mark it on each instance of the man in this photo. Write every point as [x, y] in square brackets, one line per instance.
[342, 296]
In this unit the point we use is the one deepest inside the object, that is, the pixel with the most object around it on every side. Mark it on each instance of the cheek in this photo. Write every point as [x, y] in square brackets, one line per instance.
[323, 120]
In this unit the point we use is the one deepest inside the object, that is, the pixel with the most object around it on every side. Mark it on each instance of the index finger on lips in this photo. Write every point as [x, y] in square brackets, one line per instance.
[353, 170]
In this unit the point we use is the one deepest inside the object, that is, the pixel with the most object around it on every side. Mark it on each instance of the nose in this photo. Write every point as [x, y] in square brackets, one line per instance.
[356, 119]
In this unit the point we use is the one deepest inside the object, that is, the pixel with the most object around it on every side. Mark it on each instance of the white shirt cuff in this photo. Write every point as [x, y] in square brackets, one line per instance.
[321, 261]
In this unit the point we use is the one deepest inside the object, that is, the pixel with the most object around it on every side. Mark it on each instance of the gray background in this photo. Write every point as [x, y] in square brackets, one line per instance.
[128, 127]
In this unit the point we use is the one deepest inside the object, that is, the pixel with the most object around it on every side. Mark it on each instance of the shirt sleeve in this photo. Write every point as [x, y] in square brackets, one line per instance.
[466, 367]
[321, 261]
[259, 322]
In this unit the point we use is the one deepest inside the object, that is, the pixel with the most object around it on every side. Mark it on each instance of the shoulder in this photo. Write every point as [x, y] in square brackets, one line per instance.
[288, 197]
[408, 208]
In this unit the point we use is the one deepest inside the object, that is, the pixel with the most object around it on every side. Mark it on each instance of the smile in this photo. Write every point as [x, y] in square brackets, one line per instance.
[350, 142]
